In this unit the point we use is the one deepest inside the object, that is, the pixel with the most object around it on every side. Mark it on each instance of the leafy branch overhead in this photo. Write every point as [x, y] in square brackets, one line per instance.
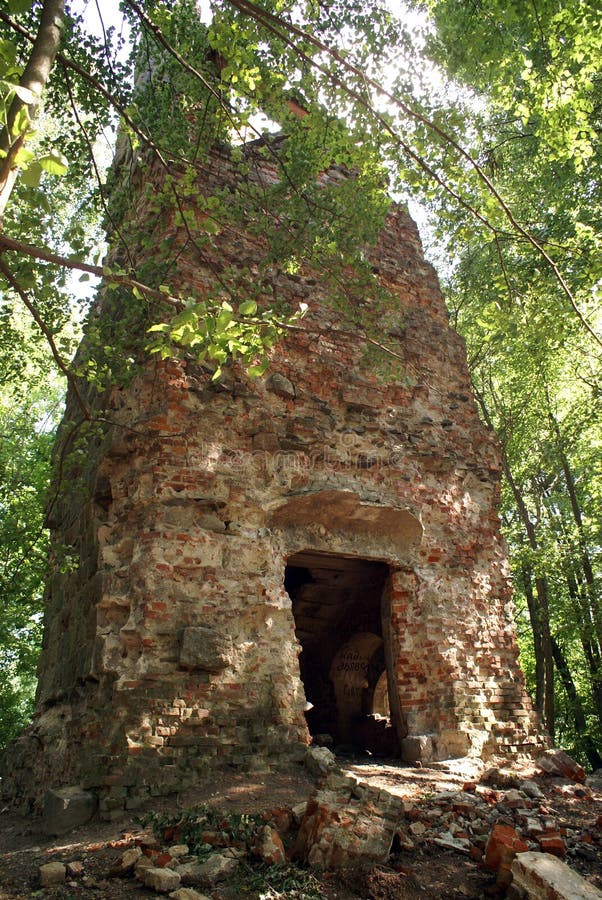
[205, 84]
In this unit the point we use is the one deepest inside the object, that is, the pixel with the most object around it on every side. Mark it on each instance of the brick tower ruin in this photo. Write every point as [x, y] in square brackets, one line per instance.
[263, 560]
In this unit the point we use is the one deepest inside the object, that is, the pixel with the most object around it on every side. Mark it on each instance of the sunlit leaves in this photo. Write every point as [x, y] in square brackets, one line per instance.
[213, 331]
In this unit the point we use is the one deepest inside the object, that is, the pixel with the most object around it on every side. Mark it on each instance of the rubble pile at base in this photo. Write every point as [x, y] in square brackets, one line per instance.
[516, 833]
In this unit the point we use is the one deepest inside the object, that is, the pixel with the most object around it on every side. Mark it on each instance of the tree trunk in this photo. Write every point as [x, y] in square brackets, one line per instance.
[534, 616]
[541, 585]
[34, 79]
[576, 706]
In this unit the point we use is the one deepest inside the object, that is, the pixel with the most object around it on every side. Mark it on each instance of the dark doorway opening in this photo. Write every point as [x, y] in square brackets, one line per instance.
[338, 622]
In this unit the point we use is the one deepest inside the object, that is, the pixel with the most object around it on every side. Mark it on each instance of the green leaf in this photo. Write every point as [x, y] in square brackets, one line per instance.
[258, 369]
[248, 308]
[31, 175]
[16, 7]
[54, 164]
[22, 93]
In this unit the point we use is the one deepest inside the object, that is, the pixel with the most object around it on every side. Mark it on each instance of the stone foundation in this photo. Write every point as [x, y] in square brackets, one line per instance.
[250, 547]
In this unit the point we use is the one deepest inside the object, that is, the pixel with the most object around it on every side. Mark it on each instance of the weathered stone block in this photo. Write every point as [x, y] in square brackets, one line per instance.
[161, 880]
[319, 761]
[281, 386]
[217, 868]
[205, 649]
[540, 876]
[188, 894]
[417, 748]
[66, 808]
[52, 873]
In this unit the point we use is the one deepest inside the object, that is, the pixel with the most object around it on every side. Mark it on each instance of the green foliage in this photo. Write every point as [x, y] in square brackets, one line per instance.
[212, 331]
[533, 123]
[282, 882]
[28, 415]
[192, 826]
[252, 878]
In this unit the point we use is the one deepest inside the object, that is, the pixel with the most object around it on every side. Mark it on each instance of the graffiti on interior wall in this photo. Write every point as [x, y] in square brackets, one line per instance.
[349, 675]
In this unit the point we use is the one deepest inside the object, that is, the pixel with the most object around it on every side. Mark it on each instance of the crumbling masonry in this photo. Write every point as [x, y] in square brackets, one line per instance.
[265, 559]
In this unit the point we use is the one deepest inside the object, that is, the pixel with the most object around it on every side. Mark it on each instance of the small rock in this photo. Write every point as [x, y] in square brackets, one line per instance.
[586, 852]
[533, 827]
[417, 828]
[453, 843]
[189, 872]
[500, 778]
[52, 873]
[319, 761]
[299, 812]
[147, 838]
[179, 850]
[503, 845]
[532, 790]
[217, 868]
[75, 869]
[269, 846]
[557, 762]
[552, 843]
[161, 880]
[141, 866]
[126, 862]
[185, 893]
[513, 798]
[281, 817]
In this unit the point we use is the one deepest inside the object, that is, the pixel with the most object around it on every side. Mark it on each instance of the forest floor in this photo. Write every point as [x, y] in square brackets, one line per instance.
[420, 867]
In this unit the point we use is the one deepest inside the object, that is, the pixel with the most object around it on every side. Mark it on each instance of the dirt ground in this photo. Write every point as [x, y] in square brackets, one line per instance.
[426, 871]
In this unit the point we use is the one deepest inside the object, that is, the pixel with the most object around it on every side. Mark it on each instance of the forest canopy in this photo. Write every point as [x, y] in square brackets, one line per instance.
[488, 117]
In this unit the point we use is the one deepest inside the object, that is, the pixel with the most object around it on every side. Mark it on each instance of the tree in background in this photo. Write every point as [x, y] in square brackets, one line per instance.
[533, 70]
[30, 407]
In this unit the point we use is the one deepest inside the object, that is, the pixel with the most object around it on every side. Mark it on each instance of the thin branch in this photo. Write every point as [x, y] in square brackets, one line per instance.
[61, 364]
[107, 211]
[273, 24]
[69, 263]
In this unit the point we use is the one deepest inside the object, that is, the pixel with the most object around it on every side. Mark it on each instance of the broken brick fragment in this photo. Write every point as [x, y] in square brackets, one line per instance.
[552, 843]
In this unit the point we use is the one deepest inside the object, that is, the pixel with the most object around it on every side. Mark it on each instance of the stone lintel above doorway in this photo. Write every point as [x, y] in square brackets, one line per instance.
[343, 511]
